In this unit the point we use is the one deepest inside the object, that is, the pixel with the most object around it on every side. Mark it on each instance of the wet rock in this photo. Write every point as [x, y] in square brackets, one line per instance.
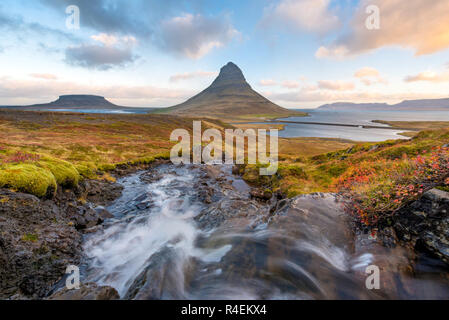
[89, 291]
[260, 194]
[100, 192]
[158, 280]
[103, 214]
[37, 243]
[425, 223]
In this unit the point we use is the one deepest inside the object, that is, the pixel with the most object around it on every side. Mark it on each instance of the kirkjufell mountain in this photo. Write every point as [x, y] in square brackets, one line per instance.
[229, 95]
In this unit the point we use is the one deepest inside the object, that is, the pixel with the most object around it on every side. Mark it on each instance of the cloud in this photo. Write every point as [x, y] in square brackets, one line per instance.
[192, 75]
[194, 36]
[108, 16]
[337, 85]
[429, 76]
[290, 84]
[302, 15]
[111, 40]
[369, 76]
[415, 24]
[17, 25]
[20, 91]
[99, 57]
[44, 76]
[267, 83]
[336, 52]
[366, 72]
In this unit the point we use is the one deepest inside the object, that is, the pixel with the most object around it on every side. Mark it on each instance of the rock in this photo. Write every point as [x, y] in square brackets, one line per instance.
[103, 214]
[39, 237]
[261, 194]
[100, 192]
[88, 291]
[37, 243]
[446, 145]
[425, 223]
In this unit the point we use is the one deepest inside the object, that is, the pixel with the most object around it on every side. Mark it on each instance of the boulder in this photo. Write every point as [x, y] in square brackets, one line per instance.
[88, 291]
[425, 223]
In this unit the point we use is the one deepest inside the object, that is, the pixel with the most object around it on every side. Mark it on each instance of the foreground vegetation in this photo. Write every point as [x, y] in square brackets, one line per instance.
[379, 177]
[40, 150]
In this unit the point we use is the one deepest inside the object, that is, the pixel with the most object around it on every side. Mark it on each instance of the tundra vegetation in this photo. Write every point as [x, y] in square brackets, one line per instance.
[41, 150]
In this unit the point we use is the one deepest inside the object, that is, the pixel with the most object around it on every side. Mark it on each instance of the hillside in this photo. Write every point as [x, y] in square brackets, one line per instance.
[81, 101]
[230, 96]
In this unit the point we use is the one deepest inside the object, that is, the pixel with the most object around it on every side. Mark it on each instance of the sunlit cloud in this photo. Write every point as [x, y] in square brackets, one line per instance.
[192, 75]
[337, 85]
[45, 76]
[302, 15]
[369, 76]
[268, 83]
[290, 84]
[429, 76]
[415, 24]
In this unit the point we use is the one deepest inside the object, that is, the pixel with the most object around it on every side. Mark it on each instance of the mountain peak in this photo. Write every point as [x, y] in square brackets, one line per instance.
[230, 75]
[228, 96]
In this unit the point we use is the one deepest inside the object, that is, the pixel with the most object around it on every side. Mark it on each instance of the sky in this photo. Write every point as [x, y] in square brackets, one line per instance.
[158, 53]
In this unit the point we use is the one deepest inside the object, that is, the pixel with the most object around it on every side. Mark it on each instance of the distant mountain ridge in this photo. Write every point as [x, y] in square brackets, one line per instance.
[229, 95]
[79, 101]
[411, 105]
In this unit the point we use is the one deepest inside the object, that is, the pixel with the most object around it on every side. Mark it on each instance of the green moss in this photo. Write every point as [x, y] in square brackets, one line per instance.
[292, 170]
[443, 188]
[29, 237]
[65, 173]
[28, 178]
[86, 170]
[106, 167]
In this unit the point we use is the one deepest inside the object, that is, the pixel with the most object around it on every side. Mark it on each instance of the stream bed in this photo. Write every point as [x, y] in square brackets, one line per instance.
[193, 232]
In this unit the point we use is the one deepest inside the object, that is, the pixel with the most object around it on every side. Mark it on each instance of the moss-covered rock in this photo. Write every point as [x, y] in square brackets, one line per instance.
[64, 172]
[28, 178]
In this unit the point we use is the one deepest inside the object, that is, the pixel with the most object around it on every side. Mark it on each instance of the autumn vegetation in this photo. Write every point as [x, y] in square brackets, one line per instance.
[41, 150]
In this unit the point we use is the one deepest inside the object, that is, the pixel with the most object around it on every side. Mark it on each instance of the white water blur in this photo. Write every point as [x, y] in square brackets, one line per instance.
[123, 250]
[302, 254]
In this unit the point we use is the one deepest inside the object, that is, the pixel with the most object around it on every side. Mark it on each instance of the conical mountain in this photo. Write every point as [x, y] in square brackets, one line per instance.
[229, 96]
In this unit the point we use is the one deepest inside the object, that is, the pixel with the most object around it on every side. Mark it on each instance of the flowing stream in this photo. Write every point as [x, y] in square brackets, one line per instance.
[192, 232]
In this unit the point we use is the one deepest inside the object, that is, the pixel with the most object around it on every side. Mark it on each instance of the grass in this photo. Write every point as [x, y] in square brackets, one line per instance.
[303, 168]
[40, 150]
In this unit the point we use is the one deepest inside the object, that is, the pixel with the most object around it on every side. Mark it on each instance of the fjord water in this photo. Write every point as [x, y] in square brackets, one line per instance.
[165, 242]
[354, 117]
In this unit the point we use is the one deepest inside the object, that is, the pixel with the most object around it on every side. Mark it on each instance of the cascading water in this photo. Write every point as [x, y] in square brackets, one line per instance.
[191, 233]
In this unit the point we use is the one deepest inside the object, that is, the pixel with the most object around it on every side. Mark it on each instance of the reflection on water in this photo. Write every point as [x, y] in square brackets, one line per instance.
[355, 118]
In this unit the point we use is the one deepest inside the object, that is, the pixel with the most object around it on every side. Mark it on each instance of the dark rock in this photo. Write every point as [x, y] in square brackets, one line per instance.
[425, 223]
[39, 237]
[88, 291]
[261, 194]
[103, 214]
[37, 243]
[100, 192]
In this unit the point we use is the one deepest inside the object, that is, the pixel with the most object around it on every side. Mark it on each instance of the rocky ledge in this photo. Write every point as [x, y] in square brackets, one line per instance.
[424, 224]
[41, 237]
